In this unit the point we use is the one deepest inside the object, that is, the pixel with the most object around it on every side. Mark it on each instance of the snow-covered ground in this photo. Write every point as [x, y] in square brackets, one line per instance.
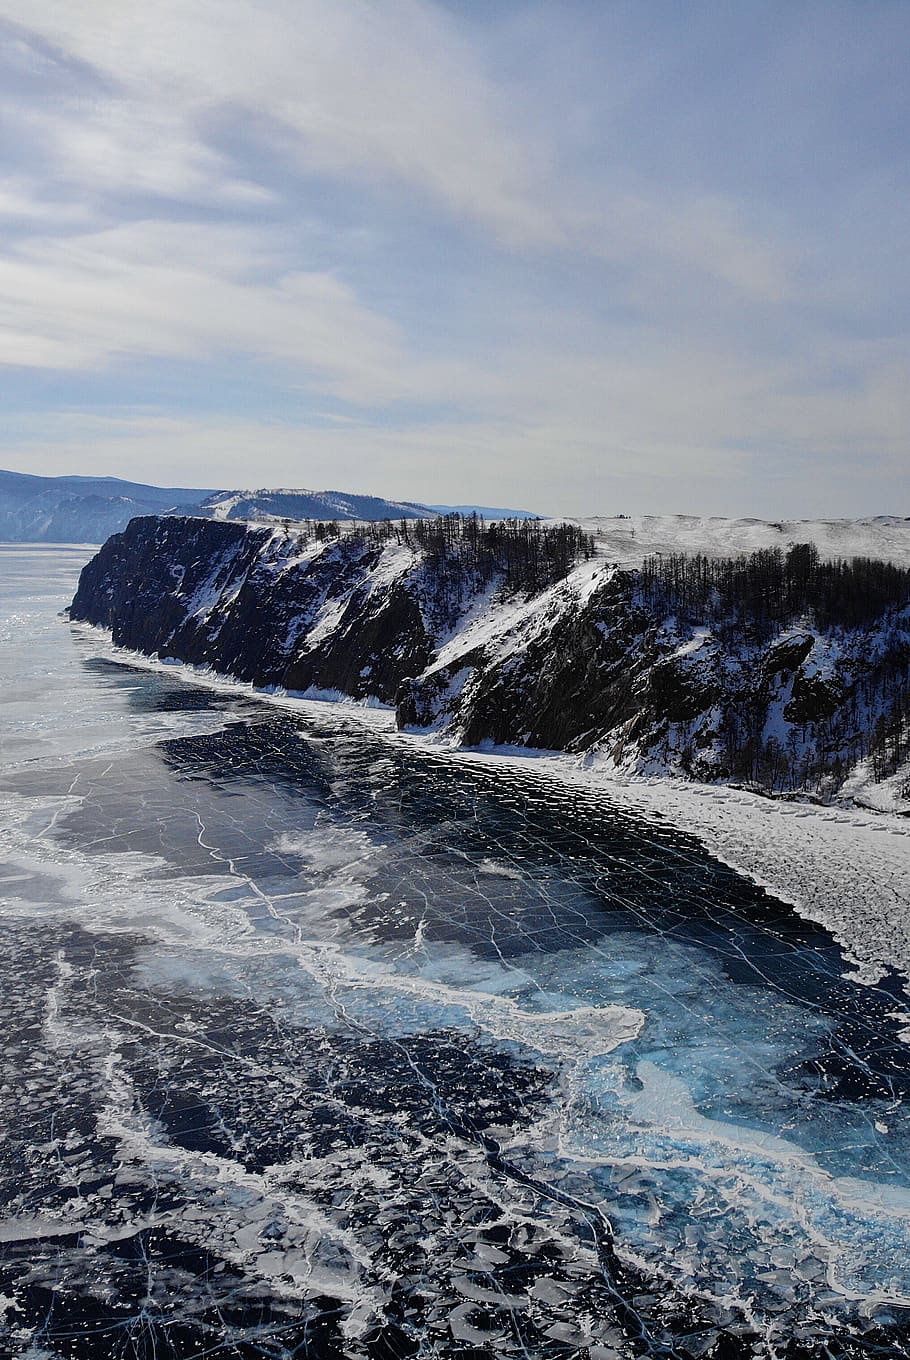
[628, 540]
[884, 795]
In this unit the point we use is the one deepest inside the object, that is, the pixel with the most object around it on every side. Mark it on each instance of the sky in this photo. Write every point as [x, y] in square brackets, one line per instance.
[575, 256]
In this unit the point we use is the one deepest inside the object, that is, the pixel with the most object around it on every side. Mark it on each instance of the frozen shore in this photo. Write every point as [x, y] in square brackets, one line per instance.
[845, 868]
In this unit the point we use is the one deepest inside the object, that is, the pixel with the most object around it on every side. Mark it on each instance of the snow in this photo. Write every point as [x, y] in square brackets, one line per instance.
[821, 661]
[327, 619]
[507, 615]
[695, 643]
[211, 590]
[629, 540]
[221, 509]
[395, 560]
[883, 795]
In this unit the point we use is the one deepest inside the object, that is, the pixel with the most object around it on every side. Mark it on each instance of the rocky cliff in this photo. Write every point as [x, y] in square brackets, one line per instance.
[339, 613]
[588, 664]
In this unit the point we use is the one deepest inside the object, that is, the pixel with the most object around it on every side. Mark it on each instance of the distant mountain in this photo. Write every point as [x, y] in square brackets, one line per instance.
[286, 503]
[90, 509]
[78, 509]
[485, 511]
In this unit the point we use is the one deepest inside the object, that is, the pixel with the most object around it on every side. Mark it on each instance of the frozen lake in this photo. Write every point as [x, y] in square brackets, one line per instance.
[315, 1044]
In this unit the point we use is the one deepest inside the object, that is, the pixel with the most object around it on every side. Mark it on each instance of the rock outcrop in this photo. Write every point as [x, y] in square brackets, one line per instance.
[255, 603]
[583, 666]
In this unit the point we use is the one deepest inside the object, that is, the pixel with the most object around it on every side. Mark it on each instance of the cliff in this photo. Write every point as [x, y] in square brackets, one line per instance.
[592, 662]
[337, 614]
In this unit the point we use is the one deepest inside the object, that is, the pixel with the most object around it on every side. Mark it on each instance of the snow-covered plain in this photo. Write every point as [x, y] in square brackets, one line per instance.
[629, 539]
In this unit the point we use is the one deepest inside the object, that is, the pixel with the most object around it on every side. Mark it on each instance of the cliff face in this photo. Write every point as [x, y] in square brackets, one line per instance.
[583, 666]
[265, 607]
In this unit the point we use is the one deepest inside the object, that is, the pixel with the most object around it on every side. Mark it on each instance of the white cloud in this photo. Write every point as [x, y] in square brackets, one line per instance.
[564, 437]
[188, 291]
[705, 234]
[24, 200]
[374, 91]
[370, 92]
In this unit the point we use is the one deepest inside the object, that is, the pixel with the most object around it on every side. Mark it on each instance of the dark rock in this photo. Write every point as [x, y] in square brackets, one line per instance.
[241, 600]
[813, 699]
[575, 680]
[782, 658]
[678, 692]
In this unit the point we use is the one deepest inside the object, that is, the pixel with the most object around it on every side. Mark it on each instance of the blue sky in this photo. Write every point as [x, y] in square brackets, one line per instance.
[586, 257]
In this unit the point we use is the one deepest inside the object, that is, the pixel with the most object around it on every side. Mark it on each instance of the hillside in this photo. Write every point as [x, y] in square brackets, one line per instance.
[786, 673]
[286, 503]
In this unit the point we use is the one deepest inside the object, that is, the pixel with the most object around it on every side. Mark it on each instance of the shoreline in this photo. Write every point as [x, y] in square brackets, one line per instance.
[845, 869]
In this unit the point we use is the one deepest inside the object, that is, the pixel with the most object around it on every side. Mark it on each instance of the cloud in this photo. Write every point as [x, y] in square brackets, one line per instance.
[188, 291]
[705, 234]
[391, 93]
[25, 201]
[595, 437]
[378, 92]
[399, 212]
[126, 146]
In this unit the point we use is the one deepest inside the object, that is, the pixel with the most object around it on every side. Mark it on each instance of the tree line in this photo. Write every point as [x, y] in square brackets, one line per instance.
[768, 588]
[528, 554]
[890, 744]
[752, 597]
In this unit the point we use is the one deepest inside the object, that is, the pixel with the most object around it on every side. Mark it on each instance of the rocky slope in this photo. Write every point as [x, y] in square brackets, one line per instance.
[586, 665]
[338, 614]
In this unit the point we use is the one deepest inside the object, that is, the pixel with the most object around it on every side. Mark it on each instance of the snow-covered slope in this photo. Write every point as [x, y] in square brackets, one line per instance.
[628, 539]
[586, 667]
[485, 511]
[288, 503]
